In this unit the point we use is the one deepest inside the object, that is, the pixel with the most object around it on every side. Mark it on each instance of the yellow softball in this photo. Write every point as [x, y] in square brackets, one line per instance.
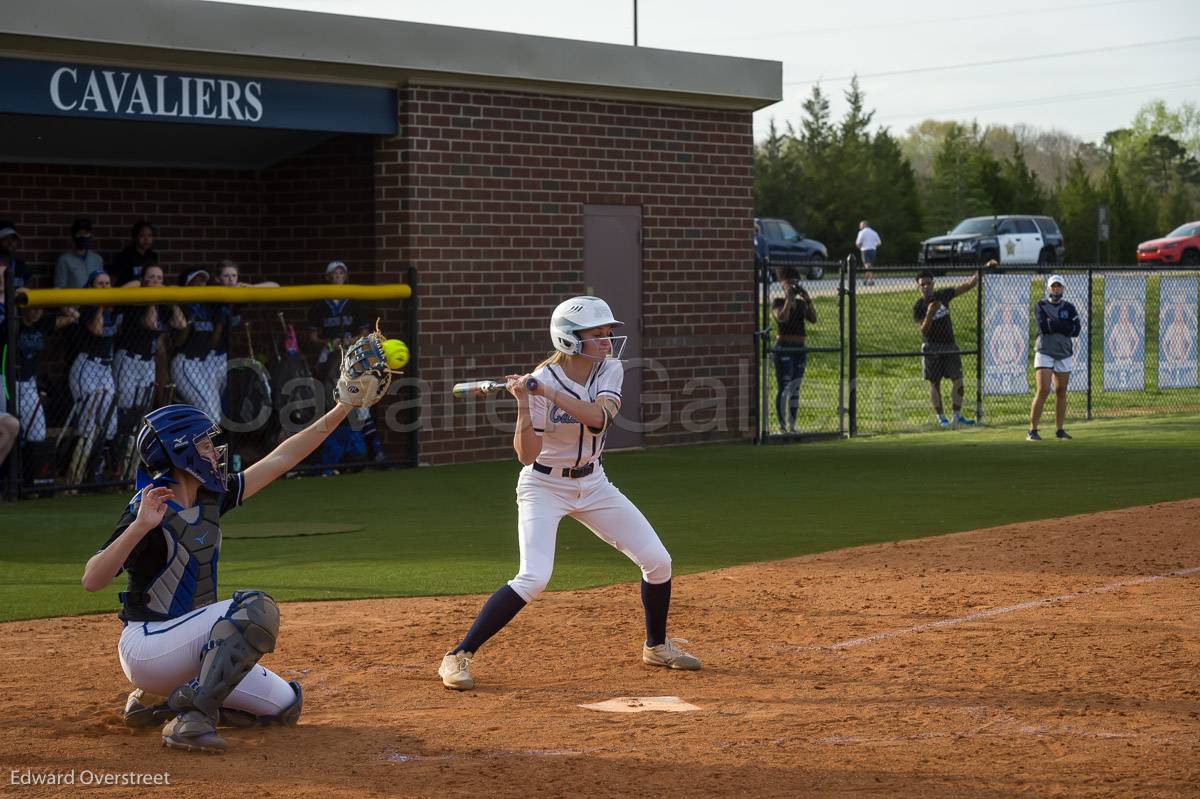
[396, 352]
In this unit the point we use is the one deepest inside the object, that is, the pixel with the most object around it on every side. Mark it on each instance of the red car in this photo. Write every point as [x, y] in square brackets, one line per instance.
[1180, 246]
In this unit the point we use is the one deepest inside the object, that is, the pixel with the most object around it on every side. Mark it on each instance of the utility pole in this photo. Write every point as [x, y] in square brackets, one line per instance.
[635, 31]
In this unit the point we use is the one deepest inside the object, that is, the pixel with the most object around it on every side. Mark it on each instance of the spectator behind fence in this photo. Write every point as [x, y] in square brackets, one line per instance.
[790, 357]
[75, 266]
[340, 322]
[193, 364]
[90, 377]
[137, 348]
[37, 324]
[868, 242]
[10, 264]
[128, 264]
[931, 313]
[1054, 354]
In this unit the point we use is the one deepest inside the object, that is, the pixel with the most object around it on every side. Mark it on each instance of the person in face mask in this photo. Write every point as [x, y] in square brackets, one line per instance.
[1057, 323]
[76, 265]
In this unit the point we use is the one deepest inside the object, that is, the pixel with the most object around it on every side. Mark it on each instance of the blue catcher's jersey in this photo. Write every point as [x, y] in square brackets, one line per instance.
[173, 569]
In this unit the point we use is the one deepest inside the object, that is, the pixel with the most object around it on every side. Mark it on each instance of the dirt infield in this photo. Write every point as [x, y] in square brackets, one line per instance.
[1057, 658]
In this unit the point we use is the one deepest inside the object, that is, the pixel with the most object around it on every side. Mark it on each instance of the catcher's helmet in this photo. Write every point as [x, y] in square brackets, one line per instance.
[580, 313]
[183, 437]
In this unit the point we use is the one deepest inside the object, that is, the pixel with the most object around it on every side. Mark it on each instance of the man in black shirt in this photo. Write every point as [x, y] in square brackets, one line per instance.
[931, 313]
[128, 264]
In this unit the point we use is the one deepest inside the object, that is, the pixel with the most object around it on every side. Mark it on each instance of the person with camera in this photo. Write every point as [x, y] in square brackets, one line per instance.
[791, 312]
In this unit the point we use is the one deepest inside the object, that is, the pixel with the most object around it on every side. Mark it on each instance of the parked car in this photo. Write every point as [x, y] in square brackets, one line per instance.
[1180, 246]
[777, 243]
[1009, 239]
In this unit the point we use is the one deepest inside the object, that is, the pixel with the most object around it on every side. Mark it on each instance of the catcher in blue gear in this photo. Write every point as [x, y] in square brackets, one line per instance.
[191, 657]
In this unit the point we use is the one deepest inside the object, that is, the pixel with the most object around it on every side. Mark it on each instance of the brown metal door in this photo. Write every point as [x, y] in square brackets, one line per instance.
[612, 270]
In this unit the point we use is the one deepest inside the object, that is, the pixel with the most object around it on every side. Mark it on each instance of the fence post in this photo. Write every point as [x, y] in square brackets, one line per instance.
[1091, 281]
[414, 435]
[841, 349]
[979, 349]
[8, 367]
[760, 323]
[852, 358]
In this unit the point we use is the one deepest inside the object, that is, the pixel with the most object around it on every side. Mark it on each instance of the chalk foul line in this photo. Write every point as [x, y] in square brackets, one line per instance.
[987, 614]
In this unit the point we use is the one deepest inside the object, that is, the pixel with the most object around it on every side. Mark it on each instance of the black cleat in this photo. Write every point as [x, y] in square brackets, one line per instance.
[1062, 435]
[1033, 436]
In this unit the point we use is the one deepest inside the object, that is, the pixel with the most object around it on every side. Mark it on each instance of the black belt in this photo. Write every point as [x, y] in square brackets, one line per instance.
[574, 474]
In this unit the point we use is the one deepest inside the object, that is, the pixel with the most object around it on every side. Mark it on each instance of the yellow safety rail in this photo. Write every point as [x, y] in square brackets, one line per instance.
[54, 298]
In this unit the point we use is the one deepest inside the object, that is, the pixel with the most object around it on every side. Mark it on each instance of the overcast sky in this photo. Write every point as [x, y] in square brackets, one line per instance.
[1084, 93]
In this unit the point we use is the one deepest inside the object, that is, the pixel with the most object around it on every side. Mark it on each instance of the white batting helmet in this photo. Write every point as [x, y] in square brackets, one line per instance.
[578, 313]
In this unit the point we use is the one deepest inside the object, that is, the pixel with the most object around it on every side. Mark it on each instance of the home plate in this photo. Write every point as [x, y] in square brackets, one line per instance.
[639, 704]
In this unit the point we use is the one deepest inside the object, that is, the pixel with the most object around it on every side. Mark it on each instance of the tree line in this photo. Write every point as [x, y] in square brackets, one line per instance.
[825, 175]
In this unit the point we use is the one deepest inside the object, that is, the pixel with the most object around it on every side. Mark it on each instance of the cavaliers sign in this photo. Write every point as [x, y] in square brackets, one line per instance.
[112, 92]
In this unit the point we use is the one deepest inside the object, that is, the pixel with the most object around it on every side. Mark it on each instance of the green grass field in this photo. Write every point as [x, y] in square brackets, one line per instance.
[451, 530]
[892, 396]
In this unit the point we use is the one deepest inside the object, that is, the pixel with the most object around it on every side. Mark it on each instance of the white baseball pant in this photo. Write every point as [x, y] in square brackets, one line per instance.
[543, 500]
[132, 374]
[29, 407]
[92, 388]
[197, 384]
[159, 656]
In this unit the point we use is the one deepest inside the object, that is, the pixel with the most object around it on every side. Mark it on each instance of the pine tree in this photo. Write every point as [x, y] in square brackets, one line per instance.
[1028, 196]
[771, 180]
[1075, 206]
[955, 189]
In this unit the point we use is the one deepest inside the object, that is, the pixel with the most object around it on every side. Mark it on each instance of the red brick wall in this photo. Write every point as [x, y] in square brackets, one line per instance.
[283, 223]
[483, 192]
[202, 216]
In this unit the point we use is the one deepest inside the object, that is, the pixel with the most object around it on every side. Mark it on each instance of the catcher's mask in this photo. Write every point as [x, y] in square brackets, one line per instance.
[182, 437]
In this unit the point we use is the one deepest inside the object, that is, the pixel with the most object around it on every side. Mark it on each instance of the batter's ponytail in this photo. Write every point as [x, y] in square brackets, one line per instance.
[556, 357]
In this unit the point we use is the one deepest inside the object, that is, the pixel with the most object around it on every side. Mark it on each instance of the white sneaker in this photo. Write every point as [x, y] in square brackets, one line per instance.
[670, 656]
[455, 671]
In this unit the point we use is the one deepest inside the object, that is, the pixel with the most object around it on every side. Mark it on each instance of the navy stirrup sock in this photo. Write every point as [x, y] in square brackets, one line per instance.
[498, 611]
[656, 599]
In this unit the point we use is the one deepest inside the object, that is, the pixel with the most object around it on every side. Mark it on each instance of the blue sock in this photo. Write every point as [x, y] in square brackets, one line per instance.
[656, 599]
[495, 613]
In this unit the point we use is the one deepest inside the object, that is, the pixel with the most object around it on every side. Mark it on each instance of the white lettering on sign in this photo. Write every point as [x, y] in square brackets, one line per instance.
[125, 93]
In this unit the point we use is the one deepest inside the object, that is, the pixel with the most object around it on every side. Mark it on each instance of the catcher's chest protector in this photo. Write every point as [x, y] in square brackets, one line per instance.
[189, 580]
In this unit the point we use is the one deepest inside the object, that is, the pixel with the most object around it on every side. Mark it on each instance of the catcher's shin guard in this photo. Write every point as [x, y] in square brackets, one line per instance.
[289, 716]
[238, 640]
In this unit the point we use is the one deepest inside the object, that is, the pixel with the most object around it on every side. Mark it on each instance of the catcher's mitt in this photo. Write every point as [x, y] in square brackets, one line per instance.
[365, 374]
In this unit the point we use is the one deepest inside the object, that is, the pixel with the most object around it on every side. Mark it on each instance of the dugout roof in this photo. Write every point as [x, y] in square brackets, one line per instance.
[189, 40]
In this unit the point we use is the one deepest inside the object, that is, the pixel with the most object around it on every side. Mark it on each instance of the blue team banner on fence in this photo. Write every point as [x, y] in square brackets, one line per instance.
[56, 88]
[1124, 332]
[1177, 332]
[1075, 291]
[1005, 334]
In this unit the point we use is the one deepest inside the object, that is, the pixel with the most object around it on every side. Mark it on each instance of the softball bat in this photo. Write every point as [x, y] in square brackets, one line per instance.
[480, 388]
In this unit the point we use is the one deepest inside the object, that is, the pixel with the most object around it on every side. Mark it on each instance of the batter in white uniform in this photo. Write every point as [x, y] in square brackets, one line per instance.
[561, 428]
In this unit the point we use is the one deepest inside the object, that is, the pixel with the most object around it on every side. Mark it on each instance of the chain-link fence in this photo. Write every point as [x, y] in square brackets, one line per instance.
[915, 350]
[84, 377]
[801, 330]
